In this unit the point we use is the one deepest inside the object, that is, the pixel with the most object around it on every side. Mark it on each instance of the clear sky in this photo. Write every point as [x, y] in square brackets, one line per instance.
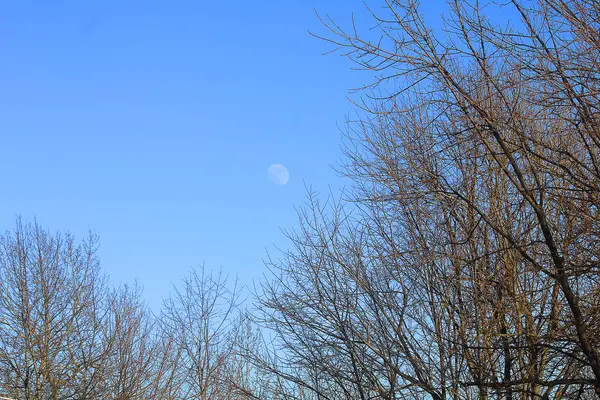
[153, 124]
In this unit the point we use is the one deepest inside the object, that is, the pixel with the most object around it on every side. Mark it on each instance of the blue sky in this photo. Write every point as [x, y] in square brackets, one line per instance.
[153, 124]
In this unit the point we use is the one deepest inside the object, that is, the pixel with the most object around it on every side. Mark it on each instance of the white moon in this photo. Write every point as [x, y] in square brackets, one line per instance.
[278, 174]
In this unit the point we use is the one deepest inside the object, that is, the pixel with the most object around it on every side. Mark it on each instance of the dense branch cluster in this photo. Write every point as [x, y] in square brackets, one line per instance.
[64, 334]
[464, 263]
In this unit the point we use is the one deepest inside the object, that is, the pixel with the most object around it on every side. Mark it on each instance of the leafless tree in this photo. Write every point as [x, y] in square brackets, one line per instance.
[466, 263]
[198, 319]
[63, 333]
[51, 334]
[134, 365]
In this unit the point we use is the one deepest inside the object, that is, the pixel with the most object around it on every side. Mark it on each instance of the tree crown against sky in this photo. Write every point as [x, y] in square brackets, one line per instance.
[468, 266]
[462, 263]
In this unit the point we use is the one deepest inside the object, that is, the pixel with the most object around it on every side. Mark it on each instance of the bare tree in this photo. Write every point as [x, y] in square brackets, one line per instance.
[63, 333]
[469, 266]
[133, 366]
[198, 319]
[51, 335]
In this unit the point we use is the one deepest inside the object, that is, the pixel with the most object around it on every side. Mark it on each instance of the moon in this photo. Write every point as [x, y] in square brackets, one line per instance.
[278, 174]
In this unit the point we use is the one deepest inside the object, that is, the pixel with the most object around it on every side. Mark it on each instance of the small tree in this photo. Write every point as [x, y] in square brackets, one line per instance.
[52, 341]
[196, 322]
[63, 333]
